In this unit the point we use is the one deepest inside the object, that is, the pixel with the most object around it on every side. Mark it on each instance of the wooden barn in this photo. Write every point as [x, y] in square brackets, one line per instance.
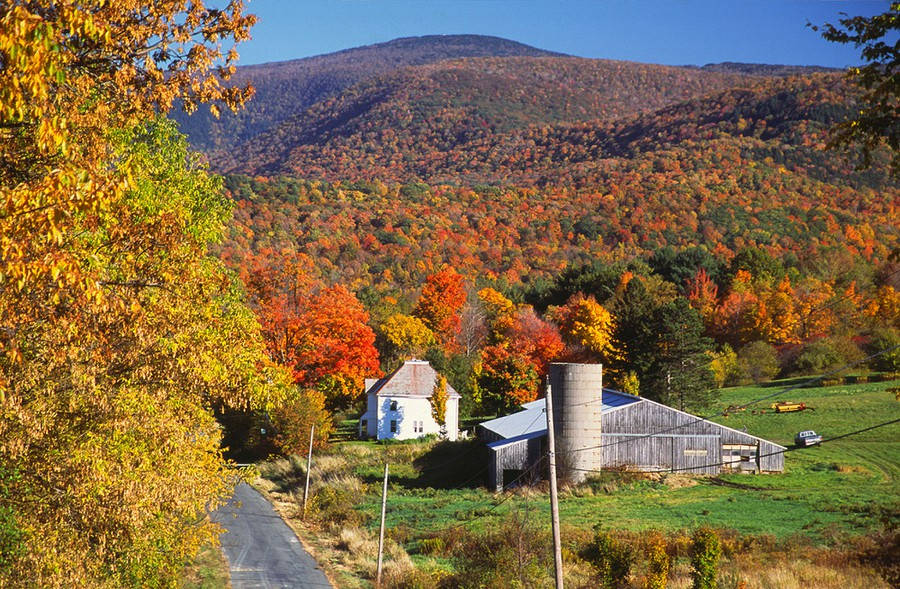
[635, 434]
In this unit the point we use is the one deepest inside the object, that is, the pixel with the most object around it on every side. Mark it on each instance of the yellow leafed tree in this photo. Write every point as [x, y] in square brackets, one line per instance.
[439, 396]
[117, 330]
[585, 323]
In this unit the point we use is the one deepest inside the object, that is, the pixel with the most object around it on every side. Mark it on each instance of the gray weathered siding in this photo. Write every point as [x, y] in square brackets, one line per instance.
[647, 416]
[518, 455]
[680, 442]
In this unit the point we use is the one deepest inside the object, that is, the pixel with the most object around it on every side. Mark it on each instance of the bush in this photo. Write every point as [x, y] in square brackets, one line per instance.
[334, 504]
[826, 355]
[513, 554]
[432, 546]
[294, 418]
[612, 559]
[757, 361]
[885, 339]
[725, 368]
[658, 563]
[706, 550]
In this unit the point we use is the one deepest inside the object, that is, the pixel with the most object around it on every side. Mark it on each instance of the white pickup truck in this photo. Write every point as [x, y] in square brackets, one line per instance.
[807, 438]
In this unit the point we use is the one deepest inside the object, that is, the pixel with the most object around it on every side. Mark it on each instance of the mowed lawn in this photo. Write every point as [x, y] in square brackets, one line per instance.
[849, 486]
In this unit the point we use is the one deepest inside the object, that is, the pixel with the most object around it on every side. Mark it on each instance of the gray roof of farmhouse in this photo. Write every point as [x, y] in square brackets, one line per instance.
[415, 378]
[531, 420]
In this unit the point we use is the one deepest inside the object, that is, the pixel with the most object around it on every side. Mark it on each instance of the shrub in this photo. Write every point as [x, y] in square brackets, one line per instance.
[826, 355]
[658, 563]
[885, 339]
[612, 559]
[706, 550]
[513, 554]
[725, 367]
[757, 361]
[432, 546]
[631, 384]
[296, 416]
[334, 505]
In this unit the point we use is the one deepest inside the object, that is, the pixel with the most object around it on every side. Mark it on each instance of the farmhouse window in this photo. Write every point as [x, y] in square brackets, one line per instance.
[393, 405]
[393, 426]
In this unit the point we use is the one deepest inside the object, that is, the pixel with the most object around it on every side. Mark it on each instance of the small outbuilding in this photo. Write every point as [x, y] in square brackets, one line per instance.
[398, 406]
[634, 433]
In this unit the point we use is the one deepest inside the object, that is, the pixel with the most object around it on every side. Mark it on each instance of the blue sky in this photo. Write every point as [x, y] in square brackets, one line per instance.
[674, 32]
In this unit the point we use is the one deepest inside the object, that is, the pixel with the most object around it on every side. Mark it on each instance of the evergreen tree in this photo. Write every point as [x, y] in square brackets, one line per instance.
[679, 373]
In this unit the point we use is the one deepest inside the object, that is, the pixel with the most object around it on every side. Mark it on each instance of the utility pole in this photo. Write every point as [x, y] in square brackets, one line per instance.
[312, 431]
[554, 504]
[381, 531]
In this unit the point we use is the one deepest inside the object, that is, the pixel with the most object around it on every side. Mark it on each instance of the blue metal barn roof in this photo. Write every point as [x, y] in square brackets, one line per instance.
[531, 420]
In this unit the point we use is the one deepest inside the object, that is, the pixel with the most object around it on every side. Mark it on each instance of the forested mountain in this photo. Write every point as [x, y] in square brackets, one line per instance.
[765, 69]
[392, 236]
[287, 88]
[456, 123]
[516, 168]
[423, 112]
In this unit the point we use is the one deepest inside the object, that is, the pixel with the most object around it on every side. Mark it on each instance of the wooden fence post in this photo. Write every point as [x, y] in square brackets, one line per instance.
[381, 530]
[312, 431]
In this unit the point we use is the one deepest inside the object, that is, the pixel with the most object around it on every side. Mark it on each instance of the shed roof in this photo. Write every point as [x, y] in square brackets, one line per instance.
[514, 440]
[415, 378]
[532, 420]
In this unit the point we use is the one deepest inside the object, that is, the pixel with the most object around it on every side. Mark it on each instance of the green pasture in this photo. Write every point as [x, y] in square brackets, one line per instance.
[849, 486]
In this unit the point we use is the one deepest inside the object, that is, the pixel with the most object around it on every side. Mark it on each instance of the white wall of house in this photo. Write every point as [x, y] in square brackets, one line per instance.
[368, 422]
[405, 418]
[452, 419]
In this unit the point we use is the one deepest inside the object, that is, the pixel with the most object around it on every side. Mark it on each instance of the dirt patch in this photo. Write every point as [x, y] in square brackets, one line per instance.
[679, 481]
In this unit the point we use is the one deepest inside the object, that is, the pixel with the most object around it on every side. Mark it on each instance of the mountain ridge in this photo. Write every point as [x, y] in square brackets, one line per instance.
[443, 105]
[286, 88]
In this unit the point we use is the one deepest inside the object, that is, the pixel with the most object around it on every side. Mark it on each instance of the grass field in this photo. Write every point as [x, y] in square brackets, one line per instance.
[839, 490]
[208, 571]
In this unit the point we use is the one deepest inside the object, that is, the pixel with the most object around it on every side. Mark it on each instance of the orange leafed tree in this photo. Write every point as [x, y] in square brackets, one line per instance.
[703, 293]
[777, 314]
[442, 298]
[336, 346]
[321, 333]
[522, 345]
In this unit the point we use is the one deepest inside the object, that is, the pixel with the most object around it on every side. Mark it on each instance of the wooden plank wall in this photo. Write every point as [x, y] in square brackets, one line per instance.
[647, 417]
[519, 455]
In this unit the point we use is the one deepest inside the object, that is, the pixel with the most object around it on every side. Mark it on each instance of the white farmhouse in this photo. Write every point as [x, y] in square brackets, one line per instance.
[398, 406]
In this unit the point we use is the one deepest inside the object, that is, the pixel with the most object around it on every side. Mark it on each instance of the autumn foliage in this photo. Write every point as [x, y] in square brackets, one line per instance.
[521, 347]
[443, 295]
[321, 333]
[118, 329]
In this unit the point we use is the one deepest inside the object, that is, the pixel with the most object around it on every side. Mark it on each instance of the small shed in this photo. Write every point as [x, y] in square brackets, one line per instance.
[398, 406]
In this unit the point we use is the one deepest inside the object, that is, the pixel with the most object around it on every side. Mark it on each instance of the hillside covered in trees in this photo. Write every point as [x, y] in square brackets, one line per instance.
[541, 187]
[285, 89]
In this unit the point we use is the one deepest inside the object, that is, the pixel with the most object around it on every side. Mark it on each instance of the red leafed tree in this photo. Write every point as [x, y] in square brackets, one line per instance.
[509, 370]
[442, 298]
[335, 346]
[321, 334]
[703, 294]
[535, 339]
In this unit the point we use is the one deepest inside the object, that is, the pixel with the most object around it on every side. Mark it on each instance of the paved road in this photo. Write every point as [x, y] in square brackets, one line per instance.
[263, 552]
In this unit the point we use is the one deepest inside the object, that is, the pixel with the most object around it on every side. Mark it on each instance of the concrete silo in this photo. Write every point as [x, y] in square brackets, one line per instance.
[577, 391]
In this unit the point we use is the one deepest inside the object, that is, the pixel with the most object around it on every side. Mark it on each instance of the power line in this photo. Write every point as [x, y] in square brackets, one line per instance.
[784, 451]
[697, 419]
